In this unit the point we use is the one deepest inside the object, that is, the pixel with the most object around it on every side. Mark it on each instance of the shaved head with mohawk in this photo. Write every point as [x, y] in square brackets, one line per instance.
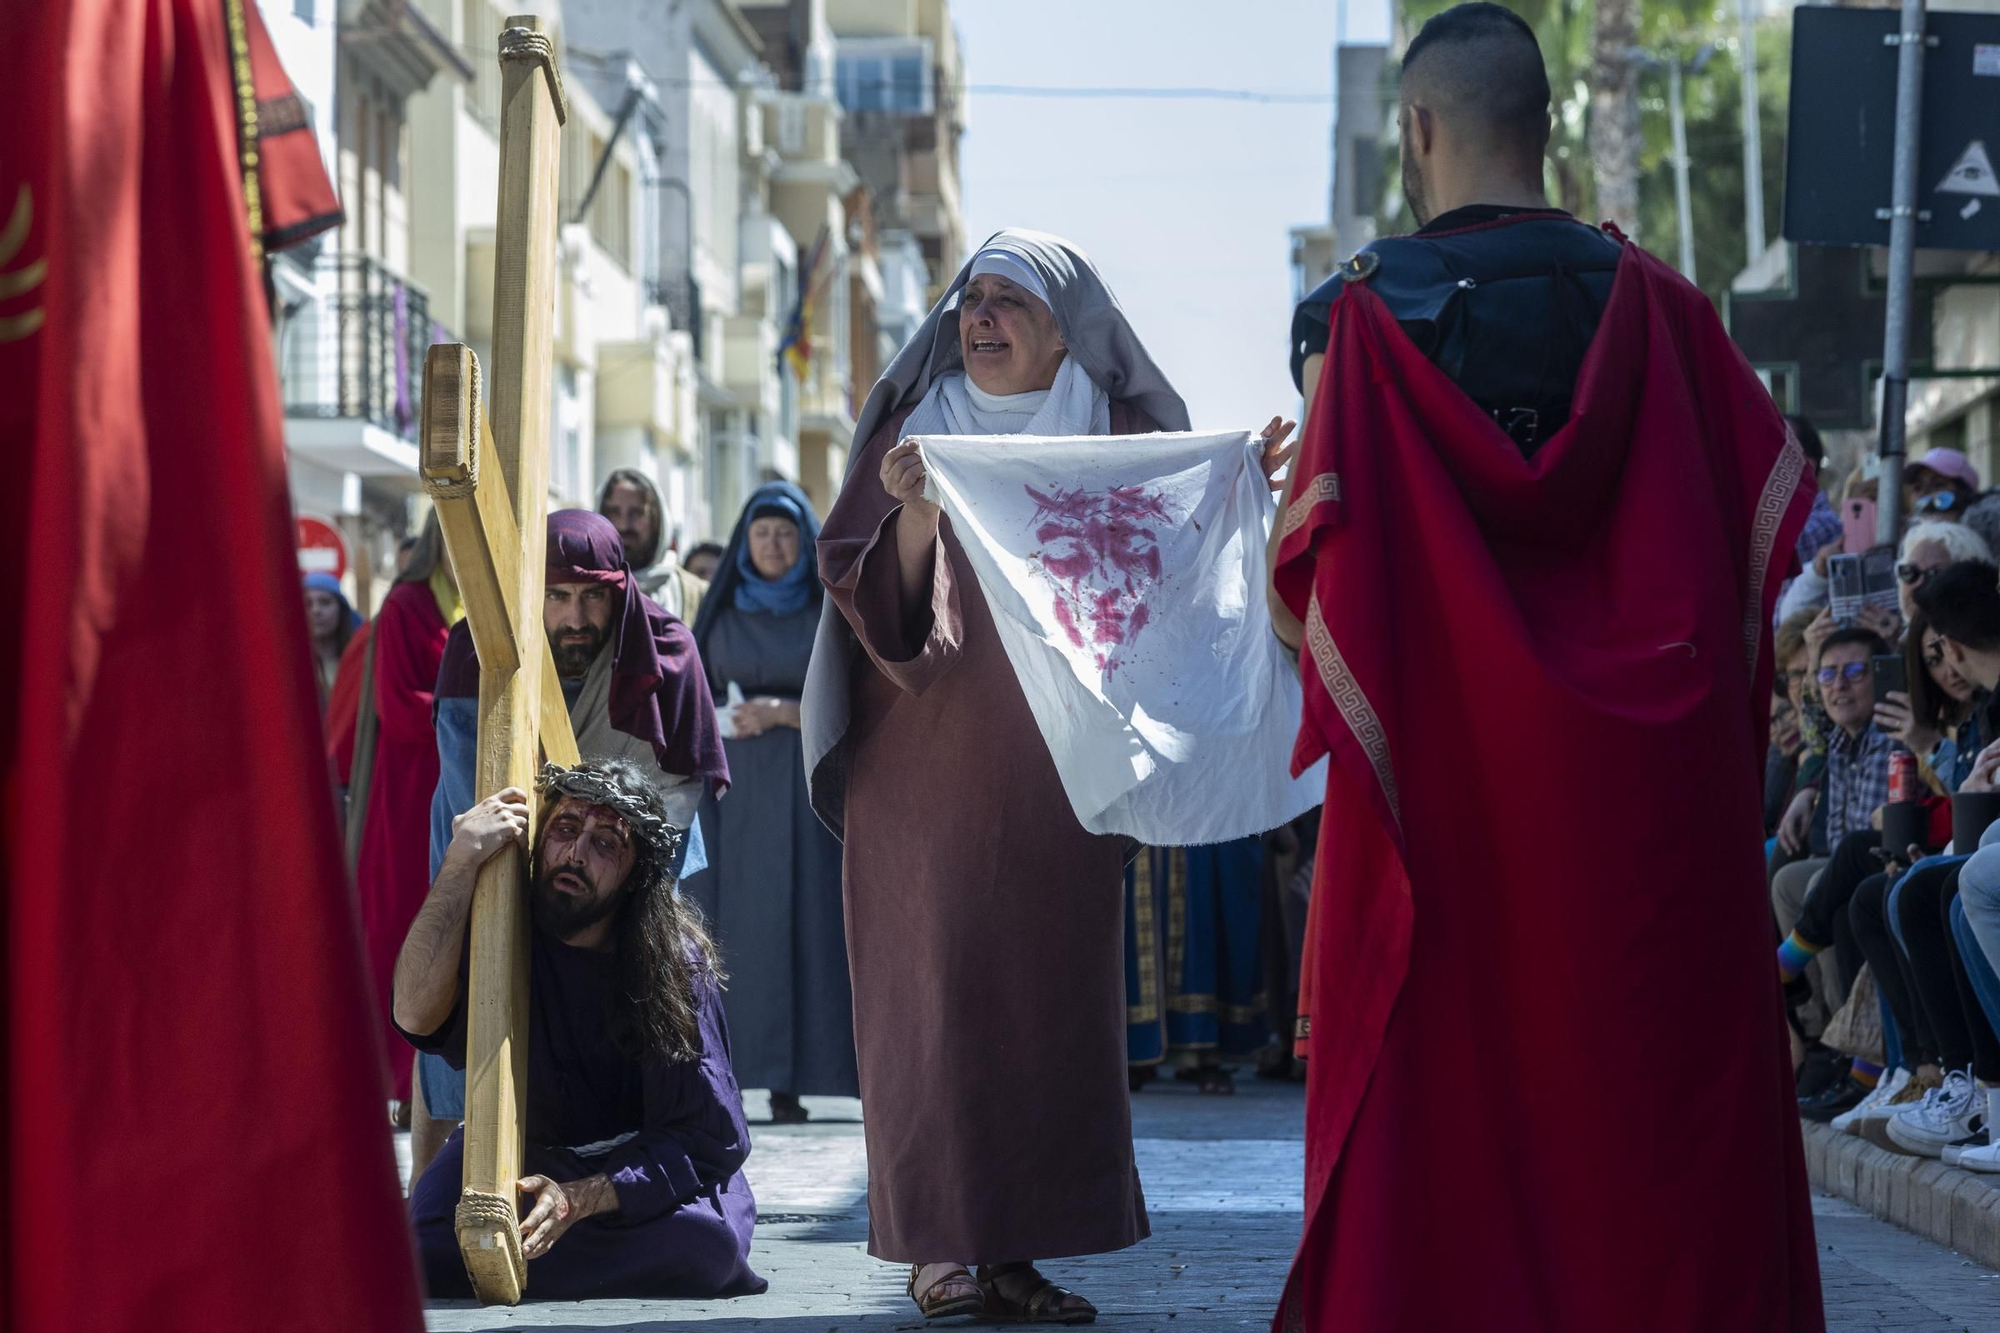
[1474, 113]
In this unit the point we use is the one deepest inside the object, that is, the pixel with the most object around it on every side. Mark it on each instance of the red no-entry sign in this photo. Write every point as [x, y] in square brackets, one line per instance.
[322, 550]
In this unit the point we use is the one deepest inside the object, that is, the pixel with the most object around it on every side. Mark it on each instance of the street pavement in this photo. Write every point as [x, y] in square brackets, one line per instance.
[1222, 1188]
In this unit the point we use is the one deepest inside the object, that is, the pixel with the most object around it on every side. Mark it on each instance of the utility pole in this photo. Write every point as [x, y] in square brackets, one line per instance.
[1753, 143]
[1902, 213]
[1683, 205]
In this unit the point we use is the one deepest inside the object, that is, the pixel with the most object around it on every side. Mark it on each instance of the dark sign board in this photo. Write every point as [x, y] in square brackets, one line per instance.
[1840, 146]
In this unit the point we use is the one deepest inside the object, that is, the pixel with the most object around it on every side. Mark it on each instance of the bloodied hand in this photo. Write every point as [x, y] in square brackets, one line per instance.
[558, 1206]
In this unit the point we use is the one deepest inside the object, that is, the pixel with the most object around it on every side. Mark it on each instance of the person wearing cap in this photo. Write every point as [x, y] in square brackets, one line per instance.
[1943, 484]
[984, 924]
[332, 621]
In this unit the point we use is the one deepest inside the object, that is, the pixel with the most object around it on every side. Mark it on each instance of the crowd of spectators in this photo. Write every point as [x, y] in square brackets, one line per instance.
[1882, 815]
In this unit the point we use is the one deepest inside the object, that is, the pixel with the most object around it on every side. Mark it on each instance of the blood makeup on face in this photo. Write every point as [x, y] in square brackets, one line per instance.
[588, 841]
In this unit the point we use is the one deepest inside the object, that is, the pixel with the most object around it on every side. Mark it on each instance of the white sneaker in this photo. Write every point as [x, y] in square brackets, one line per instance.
[1877, 1105]
[1952, 1113]
[1978, 1157]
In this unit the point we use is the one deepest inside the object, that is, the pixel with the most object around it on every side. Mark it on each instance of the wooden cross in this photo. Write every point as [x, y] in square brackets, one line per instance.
[490, 485]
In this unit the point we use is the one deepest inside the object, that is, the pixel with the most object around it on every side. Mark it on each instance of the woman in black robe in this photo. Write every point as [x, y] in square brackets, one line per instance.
[772, 892]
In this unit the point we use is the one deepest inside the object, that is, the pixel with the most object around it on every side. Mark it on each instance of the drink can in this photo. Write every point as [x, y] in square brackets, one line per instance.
[1902, 777]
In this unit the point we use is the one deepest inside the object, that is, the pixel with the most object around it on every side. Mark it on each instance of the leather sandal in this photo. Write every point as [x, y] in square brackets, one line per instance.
[952, 1292]
[1046, 1302]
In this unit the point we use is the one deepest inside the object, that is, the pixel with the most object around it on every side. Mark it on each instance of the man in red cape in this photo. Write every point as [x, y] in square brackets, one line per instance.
[193, 1135]
[1533, 570]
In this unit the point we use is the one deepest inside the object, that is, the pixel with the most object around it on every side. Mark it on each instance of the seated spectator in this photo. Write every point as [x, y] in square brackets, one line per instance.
[1790, 744]
[1929, 1017]
[1822, 531]
[635, 1132]
[1963, 604]
[1928, 546]
[1936, 719]
[1953, 1113]
[1942, 485]
[1855, 784]
[1810, 589]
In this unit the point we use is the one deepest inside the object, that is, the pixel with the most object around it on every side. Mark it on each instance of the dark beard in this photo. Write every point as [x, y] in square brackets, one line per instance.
[573, 659]
[563, 915]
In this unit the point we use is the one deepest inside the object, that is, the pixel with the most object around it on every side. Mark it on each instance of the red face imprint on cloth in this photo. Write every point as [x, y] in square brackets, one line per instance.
[1101, 552]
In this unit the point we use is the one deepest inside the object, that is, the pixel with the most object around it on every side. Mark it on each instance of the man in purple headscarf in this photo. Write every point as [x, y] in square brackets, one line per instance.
[629, 670]
[636, 690]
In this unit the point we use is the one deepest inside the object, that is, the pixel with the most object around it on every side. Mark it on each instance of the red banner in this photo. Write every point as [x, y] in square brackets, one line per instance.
[195, 1138]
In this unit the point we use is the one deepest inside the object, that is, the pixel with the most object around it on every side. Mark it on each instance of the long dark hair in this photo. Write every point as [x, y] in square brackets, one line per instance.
[1929, 705]
[662, 538]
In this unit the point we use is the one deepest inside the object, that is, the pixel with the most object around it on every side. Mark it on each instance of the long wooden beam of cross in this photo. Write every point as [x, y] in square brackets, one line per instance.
[489, 482]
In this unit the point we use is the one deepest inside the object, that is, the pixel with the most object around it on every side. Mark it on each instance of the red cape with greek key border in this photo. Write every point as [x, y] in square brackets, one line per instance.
[193, 1124]
[1548, 1084]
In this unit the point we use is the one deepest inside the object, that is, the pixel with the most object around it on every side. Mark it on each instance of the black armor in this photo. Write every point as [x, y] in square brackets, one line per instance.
[1504, 302]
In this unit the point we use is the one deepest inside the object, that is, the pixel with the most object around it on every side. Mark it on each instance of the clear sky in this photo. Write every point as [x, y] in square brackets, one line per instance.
[1184, 205]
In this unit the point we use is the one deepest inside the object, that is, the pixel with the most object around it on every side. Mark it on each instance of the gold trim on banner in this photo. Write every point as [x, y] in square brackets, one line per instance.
[247, 160]
[24, 279]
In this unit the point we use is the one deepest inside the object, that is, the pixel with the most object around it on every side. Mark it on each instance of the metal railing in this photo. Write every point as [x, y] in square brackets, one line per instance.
[357, 350]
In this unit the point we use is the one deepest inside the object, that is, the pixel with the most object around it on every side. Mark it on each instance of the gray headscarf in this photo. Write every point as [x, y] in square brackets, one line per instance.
[1094, 329]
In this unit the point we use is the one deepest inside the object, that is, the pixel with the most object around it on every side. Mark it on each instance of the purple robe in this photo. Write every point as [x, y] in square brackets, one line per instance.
[671, 1137]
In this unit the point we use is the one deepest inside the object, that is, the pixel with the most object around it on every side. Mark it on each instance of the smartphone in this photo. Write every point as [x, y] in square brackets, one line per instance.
[1857, 525]
[1889, 678]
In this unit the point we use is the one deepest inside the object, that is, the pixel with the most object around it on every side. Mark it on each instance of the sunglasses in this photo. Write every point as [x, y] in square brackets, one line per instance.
[1938, 502]
[1851, 671]
[1914, 575]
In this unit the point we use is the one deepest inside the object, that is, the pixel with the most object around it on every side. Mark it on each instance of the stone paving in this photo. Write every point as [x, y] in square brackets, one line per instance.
[1222, 1188]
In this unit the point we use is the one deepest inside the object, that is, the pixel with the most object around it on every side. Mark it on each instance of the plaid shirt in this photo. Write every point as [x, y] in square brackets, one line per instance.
[1822, 528]
[1856, 781]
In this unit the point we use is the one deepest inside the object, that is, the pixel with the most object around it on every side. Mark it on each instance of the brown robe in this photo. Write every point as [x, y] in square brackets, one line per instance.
[984, 927]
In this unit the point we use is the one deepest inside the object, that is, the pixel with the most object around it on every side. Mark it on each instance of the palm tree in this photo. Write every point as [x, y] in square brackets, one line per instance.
[1617, 139]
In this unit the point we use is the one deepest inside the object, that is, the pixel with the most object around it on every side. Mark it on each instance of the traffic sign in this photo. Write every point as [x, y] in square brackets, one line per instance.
[1840, 146]
[322, 550]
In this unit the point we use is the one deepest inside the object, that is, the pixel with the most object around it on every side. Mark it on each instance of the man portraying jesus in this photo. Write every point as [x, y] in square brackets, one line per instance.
[635, 1130]
[1541, 514]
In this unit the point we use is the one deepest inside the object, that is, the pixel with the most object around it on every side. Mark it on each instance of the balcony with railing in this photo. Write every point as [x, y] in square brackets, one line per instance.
[352, 366]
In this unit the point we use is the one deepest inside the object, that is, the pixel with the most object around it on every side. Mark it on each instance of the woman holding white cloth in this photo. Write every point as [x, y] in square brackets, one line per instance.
[984, 922]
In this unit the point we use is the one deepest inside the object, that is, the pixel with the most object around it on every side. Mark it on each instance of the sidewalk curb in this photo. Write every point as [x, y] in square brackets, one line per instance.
[1958, 1209]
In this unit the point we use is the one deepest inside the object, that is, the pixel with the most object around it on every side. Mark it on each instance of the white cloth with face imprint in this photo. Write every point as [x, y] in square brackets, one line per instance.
[1071, 406]
[1125, 575]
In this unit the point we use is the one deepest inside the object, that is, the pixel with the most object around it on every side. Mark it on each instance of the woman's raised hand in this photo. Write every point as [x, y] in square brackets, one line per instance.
[903, 478]
[1275, 451]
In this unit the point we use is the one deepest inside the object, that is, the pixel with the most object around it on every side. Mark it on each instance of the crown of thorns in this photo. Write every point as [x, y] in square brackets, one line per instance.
[594, 785]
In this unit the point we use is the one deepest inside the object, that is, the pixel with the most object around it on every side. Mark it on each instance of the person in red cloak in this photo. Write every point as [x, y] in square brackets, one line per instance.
[1531, 547]
[393, 804]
